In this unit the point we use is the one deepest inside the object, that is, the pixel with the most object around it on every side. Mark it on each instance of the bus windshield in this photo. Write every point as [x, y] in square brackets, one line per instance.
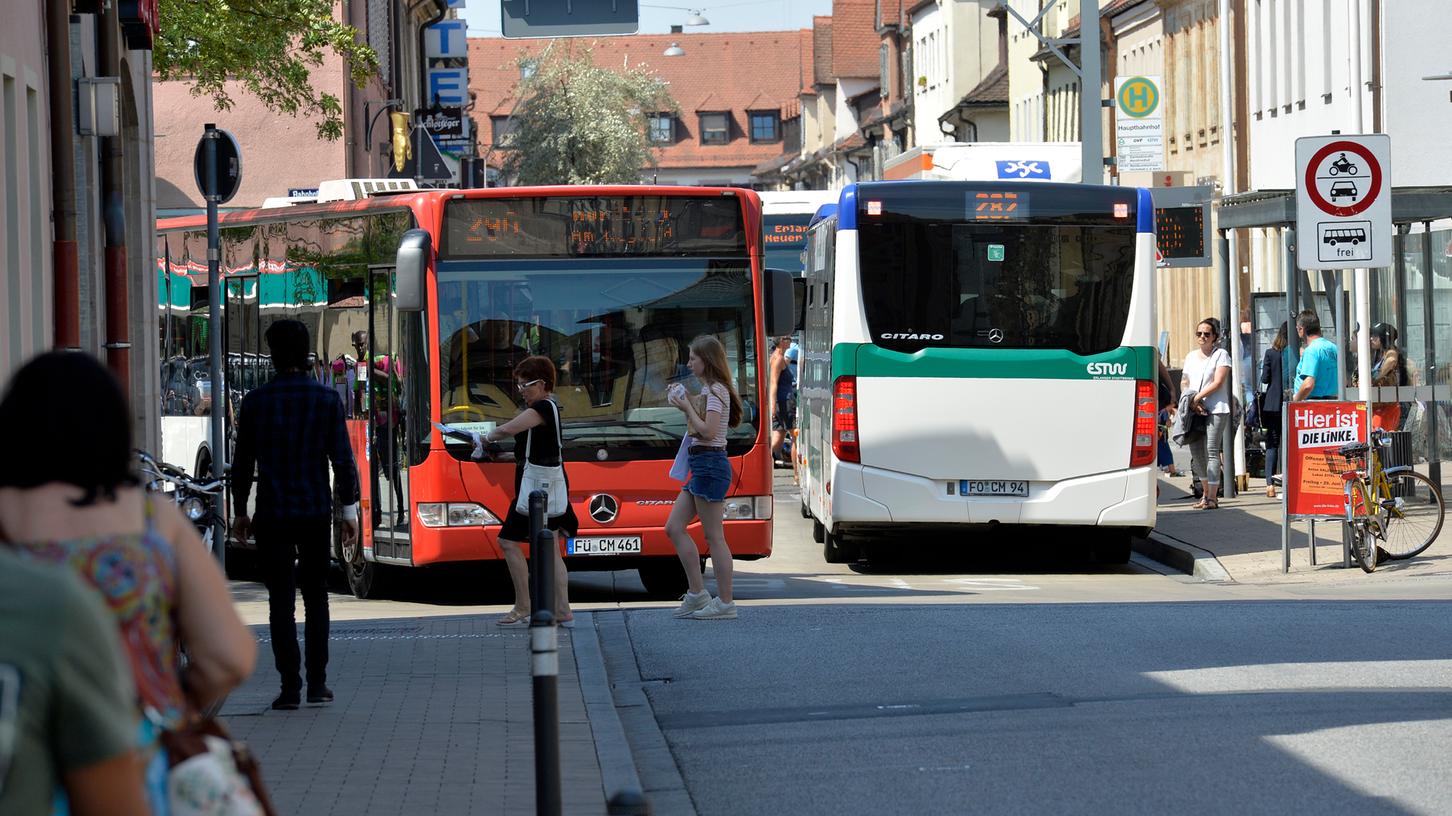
[1042, 274]
[617, 330]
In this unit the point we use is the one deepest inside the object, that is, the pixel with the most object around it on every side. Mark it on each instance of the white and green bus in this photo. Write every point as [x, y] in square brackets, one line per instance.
[978, 354]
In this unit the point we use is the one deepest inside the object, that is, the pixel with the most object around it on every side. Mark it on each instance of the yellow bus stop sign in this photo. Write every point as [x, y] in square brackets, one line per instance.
[1138, 97]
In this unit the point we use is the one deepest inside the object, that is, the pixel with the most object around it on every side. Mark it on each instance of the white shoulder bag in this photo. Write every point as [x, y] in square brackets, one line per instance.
[550, 479]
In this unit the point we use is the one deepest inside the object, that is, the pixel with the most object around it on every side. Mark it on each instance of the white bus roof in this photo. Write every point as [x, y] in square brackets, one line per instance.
[777, 202]
[989, 161]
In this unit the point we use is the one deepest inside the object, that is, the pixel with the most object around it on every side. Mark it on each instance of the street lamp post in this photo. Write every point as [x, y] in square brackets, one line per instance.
[1089, 71]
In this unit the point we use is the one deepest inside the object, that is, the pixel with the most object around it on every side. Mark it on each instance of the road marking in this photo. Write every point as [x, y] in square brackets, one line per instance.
[992, 584]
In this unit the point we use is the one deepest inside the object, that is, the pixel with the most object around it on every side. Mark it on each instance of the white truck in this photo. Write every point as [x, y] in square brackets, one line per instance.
[988, 161]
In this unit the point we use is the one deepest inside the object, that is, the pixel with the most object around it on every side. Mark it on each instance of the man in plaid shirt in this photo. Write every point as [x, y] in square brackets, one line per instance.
[289, 430]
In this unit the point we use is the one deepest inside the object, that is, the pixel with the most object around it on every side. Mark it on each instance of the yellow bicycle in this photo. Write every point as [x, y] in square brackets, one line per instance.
[1394, 513]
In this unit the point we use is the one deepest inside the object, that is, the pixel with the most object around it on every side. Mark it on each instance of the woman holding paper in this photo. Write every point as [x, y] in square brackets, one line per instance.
[537, 440]
[704, 493]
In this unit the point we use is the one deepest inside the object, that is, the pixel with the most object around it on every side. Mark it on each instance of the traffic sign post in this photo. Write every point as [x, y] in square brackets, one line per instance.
[217, 164]
[1343, 202]
[1139, 126]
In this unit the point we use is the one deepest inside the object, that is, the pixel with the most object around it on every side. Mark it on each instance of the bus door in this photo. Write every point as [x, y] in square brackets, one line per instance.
[386, 417]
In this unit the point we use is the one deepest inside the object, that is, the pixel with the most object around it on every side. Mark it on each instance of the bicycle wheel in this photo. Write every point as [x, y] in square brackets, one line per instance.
[1363, 542]
[1412, 516]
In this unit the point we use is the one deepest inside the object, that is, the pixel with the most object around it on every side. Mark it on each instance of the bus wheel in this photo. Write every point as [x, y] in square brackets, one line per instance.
[819, 532]
[837, 550]
[1112, 546]
[363, 576]
[663, 578]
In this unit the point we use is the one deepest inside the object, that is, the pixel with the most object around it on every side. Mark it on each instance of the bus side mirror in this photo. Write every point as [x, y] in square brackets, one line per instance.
[781, 314]
[799, 296]
[409, 269]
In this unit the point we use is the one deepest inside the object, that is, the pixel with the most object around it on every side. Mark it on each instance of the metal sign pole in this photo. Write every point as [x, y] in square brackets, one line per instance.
[1285, 501]
[216, 362]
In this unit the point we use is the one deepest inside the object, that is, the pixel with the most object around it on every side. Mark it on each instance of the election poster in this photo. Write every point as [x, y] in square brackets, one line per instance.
[1315, 433]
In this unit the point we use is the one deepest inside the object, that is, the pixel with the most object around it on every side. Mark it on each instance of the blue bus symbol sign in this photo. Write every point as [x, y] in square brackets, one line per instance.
[1023, 169]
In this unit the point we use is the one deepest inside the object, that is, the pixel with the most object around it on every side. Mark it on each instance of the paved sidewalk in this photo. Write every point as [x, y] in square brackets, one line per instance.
[433, 716]
[1243, 538]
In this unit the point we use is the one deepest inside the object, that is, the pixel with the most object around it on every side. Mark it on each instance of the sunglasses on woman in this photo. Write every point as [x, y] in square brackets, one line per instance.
[523, 385]
[1204, 334]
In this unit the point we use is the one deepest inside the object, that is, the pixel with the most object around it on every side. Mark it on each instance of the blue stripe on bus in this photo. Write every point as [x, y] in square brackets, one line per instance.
[1146, 206]
[847, 208]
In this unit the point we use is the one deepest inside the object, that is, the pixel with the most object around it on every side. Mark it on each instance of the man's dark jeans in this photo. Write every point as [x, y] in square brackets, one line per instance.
[279, 543]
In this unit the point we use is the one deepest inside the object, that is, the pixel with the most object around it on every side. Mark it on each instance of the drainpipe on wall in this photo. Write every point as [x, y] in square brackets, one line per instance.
[65, 257]
[423, 72]
[113, 215]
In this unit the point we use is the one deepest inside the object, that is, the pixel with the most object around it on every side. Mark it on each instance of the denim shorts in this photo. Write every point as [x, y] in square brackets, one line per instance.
[710, 475]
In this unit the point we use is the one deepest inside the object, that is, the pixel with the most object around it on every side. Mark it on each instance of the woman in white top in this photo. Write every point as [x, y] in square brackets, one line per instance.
[1207, 373]
[704, 493]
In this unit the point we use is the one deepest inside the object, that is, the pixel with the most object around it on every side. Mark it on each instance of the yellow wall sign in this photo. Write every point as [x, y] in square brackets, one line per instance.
[1138, 97]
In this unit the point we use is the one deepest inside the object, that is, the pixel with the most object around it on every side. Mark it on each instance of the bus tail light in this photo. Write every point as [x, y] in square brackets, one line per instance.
[1146, 425]
[748, 508]
[845, 444]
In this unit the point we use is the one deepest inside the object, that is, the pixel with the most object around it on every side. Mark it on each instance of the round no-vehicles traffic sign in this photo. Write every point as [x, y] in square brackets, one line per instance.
[1343, 178]
[1343, 202]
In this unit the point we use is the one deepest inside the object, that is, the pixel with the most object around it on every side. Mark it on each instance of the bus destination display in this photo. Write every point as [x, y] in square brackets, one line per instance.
[565, 227]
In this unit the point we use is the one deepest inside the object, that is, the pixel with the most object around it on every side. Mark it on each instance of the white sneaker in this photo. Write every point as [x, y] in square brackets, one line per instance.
[717, 609]
[691, 602]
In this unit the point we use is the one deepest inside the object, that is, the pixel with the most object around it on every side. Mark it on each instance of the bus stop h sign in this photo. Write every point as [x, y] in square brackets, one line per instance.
[1343, 202]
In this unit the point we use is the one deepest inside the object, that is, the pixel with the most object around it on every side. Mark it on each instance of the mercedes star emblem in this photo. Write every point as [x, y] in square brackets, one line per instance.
[604, 508]
[995, 335]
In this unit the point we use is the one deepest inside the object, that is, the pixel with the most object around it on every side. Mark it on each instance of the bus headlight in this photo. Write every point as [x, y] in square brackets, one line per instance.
[748, 508]
[455, 514]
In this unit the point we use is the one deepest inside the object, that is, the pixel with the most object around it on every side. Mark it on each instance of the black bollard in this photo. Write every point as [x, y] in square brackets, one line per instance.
[544, 662]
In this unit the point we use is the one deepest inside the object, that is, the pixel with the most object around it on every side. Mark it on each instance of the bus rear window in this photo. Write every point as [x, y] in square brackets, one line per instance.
[995, 284]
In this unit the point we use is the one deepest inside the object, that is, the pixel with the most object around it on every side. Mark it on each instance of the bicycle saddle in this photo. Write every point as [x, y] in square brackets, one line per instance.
[1354, 449]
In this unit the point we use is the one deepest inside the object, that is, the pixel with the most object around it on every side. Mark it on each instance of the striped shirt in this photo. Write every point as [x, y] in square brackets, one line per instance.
[718, 399]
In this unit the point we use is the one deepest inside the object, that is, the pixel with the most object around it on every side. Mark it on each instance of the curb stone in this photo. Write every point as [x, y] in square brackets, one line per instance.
[1186, 558]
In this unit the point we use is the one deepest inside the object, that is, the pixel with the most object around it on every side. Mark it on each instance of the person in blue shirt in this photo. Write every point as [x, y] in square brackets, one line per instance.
[1316, 372]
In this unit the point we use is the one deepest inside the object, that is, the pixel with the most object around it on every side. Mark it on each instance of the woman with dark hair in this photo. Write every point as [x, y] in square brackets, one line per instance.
[1206, 373]
[704, 493]
[535, 379]
[68, 496]
[1273, 375]
[1388, 368]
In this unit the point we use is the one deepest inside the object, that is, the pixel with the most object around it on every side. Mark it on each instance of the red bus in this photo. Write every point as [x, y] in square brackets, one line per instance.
[421, 303]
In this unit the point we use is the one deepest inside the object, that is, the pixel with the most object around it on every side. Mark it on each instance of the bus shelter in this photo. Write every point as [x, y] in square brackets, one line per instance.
[1413, 297]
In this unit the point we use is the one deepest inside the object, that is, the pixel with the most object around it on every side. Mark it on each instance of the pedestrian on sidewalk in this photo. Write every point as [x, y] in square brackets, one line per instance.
[1316, 372]
[535, 379]
[69, 717]
[290, 430]
[68, 496]
[1273, 375]
[1169, 397]
[704, 494]
[1207, 373]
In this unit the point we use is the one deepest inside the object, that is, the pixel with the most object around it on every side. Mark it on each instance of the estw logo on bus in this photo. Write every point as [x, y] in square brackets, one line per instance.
[1108, 369]
[1023, 169]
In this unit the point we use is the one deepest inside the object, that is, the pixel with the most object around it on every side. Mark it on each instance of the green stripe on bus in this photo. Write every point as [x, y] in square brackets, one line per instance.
[868, 360]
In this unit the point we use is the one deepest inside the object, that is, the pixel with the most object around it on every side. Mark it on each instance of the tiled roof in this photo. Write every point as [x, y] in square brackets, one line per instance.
[992, 91]
[854, 39]
[822, 51]
[733, 72]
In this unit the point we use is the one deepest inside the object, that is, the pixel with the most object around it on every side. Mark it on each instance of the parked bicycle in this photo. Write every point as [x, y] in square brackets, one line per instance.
[1394, 513]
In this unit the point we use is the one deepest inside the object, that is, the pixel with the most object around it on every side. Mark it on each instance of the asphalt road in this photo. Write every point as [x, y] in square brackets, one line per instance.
[1039, 684]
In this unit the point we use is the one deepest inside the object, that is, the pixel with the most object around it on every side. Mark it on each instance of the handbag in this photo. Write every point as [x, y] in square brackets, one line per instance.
[211, 773]
[549, 478]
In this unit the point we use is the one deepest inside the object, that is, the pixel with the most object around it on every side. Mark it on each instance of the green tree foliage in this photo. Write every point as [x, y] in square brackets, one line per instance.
[269, 46]
[578, 123]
